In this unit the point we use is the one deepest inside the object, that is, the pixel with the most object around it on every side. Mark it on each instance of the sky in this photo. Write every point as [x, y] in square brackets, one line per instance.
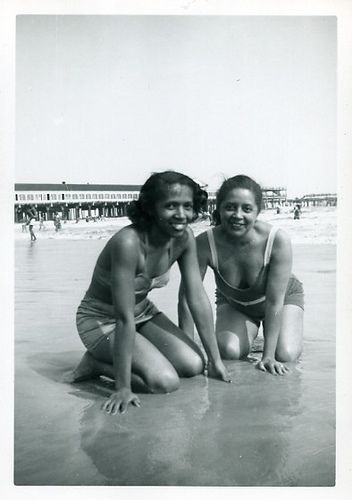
[111, 99]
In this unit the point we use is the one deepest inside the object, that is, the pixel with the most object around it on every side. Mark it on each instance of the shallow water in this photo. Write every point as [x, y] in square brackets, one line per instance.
[260, 430]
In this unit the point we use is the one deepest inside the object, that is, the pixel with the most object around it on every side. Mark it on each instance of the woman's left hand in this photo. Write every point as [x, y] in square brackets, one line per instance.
[218, 370]
[272, 366]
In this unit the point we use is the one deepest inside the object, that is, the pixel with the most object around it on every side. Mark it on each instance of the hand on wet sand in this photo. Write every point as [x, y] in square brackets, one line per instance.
[272, 366]
[218, 370]
[119, 401]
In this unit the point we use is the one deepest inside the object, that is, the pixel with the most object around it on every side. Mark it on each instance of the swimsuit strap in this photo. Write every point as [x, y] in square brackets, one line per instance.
[269, 245]
[212, 246]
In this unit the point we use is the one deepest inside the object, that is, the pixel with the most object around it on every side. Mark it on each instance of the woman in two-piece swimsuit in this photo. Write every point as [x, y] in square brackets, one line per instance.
[126, 337]
[252, 263]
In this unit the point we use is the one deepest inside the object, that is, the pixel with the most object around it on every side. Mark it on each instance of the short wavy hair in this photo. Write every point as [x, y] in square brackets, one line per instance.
[238, 181]
[141, 211]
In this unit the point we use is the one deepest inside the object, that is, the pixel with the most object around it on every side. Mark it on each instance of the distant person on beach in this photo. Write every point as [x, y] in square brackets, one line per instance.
[252, 263]
[31, 223]
[127, 338]
[32, 212]
[297, 212]
[41, 224]
[57, 222]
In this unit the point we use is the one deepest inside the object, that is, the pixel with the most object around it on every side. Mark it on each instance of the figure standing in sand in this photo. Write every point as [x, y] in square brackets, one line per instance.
[57, 222]
[31, 222]
[297, 212]
[252, 263]
[127, 338]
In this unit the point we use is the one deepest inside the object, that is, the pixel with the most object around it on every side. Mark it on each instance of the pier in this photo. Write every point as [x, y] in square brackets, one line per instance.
[79, 201]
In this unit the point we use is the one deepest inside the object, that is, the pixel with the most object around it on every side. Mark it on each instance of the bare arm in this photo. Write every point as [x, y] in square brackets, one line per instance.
[124, 259]
[199, 306]
[185, 319]
[279, 274]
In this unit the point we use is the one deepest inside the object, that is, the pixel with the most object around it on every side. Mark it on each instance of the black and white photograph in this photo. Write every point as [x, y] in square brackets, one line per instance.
[174, 222]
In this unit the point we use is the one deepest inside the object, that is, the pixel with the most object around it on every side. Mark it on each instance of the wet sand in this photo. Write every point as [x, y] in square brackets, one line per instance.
[259, 431]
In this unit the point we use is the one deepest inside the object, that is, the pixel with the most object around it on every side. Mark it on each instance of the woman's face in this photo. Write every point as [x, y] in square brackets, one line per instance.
[238, 212]
[175, 211]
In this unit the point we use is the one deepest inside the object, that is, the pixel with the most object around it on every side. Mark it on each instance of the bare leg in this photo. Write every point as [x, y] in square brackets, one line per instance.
[182, 352]
[235, 332]
[290, 343]
[87, 369]
[149, 367]
[90, 368]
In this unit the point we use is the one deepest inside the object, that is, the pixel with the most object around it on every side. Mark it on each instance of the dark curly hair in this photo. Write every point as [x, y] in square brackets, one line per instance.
[141, 211]
[238, 181]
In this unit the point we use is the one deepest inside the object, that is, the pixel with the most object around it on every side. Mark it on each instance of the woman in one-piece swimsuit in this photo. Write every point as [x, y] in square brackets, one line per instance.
[252, 263]
[126, 337]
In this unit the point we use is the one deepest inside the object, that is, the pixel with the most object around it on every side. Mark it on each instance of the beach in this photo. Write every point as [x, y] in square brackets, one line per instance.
[258, 431]
[317, 225]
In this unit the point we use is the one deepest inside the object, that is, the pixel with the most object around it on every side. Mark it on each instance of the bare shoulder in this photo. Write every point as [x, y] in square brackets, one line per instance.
[282, 244]
[124, 242]
[282, 236]
[282, 239]
[263, 228]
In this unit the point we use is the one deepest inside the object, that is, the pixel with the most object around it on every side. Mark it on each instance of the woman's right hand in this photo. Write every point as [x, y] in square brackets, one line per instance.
[119, 401]
[218, 370]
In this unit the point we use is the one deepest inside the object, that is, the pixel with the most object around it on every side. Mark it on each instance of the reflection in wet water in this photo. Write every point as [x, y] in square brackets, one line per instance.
[151, 445]
[243, 437]
[259, 430]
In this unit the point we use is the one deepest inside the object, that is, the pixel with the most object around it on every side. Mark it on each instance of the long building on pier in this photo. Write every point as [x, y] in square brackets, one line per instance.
[73, 201]
[272, 197]
[319, 199]
[77, 201]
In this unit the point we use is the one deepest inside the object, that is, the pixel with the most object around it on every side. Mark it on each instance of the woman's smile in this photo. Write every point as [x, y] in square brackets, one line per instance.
[238, 211]
[175, 211]
[179, 226]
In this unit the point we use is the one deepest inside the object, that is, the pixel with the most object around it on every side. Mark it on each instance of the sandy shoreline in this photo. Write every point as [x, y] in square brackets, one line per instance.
[259, 431]
[316, 226]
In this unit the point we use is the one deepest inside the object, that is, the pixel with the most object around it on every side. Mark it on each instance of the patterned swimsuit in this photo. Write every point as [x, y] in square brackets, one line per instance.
[96, 320]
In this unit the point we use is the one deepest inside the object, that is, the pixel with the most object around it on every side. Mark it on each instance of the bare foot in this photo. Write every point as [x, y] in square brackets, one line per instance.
[87, 369]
